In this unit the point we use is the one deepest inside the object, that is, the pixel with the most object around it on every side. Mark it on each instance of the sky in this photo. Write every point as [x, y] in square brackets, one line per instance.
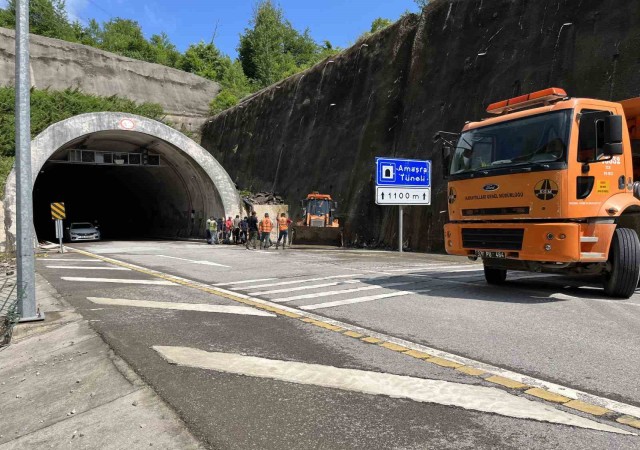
[190, 21]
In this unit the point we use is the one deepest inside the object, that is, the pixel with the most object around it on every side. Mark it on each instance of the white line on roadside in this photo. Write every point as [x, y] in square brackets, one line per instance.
[360, 300]
[224, 309]
[87, 268]
[436, 268]
[478, 398]
[282, 283]
[71, 260]
[120, 280]
[204, 263]
[243, 282]
[305, 288]
[344, 291]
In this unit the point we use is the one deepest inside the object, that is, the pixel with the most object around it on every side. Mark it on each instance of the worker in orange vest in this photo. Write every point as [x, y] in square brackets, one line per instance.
[283, 229]
[265, 231]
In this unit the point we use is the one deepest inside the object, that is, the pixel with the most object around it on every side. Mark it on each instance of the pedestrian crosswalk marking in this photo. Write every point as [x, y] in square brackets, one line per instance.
[345, 291]
[305, 288]
[204, 263]
[359, 300]
[300, 281]
[243, 282]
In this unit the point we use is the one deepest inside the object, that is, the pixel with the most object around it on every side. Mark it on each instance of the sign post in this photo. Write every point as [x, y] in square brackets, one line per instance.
[402, 182]
[58, 213]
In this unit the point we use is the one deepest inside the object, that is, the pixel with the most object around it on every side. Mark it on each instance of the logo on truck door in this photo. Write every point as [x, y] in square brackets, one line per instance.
[546, 189]
[490, 187]
[452, 196]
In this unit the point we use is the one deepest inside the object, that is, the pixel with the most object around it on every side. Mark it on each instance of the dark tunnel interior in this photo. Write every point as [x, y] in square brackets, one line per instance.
[130, 201]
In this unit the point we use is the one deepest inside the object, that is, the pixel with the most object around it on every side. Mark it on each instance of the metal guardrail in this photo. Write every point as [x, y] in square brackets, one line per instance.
[9, 293]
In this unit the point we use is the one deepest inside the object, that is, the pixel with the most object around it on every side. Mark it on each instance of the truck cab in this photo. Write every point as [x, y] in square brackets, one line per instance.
[547, 184]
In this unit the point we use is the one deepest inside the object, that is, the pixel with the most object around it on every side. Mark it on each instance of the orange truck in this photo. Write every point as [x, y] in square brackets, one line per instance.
[548, 184]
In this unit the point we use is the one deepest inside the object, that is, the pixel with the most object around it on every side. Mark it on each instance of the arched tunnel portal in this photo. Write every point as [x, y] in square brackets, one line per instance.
[136, 177]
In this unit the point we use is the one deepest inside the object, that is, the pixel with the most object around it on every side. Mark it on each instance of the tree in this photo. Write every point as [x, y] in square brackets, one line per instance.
[46, 18]
[163, 51]
[124, 36]
[379, 24]
[272, 49]
[422, 3]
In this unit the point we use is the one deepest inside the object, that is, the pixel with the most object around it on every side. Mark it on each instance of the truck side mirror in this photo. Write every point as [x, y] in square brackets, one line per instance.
[613, 135]
[447, 153]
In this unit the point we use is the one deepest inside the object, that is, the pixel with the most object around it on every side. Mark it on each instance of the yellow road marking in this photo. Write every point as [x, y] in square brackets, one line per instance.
[506, 382]
[471, 371]
[587, 407]
[629, 420]
[444, 362]
[546, 395]
[394, 347]
[418, 354]
[353, 334]
[371, 340]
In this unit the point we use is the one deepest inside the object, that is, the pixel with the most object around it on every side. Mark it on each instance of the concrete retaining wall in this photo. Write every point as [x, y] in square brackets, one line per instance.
[59, 65]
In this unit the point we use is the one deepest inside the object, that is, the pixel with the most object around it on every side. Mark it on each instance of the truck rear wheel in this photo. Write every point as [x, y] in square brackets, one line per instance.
[624, 259]
[495, 276]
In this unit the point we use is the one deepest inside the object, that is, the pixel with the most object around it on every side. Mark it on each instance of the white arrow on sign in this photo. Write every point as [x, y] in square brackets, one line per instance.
[402, 196]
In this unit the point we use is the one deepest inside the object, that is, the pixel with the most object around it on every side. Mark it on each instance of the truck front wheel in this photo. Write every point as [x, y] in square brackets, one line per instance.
[624, 262]
[495, 276]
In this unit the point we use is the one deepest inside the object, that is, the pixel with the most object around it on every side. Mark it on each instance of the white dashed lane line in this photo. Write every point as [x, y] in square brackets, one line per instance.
[223, 309]
[119, 280]
[87, 268]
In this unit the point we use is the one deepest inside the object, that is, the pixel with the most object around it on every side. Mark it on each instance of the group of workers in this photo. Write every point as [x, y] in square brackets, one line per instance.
[247, 231]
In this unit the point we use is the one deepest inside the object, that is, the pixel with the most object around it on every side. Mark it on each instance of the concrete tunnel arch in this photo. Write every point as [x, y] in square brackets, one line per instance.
[174, 199]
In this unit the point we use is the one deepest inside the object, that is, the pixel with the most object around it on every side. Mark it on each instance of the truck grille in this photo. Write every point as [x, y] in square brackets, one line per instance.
[493, 238]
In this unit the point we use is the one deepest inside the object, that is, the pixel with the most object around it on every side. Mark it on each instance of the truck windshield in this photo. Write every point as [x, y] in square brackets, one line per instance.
[537, 139]
[318, 207]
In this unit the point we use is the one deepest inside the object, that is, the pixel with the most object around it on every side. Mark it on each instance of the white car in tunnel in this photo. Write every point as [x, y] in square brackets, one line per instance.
[83, 231]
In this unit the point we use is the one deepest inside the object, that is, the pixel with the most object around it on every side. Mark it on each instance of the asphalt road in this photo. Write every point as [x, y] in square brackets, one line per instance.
[557, 330]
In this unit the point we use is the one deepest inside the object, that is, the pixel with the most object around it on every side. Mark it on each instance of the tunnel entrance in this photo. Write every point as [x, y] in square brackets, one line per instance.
[135, 177]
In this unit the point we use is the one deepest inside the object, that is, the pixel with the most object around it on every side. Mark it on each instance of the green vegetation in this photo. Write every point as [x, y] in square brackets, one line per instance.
[377, 25]
[270, 49]
[48, 107]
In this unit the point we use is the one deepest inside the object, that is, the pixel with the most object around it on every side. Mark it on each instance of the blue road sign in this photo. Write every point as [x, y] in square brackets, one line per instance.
[403, 172]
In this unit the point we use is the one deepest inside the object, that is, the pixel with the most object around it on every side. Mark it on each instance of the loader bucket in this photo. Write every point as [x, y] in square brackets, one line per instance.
[303, 235]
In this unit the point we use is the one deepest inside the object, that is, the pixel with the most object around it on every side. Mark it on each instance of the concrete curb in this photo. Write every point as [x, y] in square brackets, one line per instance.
[62, 387]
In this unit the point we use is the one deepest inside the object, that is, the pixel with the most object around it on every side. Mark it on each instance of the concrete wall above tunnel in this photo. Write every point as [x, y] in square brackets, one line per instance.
[173, 200]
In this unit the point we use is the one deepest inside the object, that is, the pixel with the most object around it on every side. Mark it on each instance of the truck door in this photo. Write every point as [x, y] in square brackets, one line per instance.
[598, 178]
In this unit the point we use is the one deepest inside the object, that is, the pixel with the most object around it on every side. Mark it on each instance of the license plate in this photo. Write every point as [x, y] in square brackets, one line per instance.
[483, 254]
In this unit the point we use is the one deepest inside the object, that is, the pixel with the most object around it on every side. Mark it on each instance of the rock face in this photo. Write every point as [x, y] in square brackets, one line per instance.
[387, 95]
[59, 65]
